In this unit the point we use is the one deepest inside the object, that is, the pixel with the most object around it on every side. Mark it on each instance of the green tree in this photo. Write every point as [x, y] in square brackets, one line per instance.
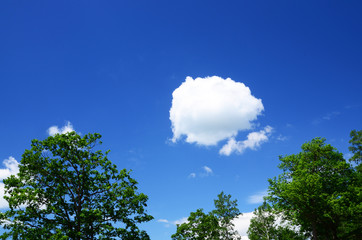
[65, 189]
[353, 214]
[313, 189]
[199, 226]
[216, 224]
[226, 210]
[266, 224]
[356, 146]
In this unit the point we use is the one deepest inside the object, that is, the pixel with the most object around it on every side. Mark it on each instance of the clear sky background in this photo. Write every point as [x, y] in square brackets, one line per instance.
[112, 66]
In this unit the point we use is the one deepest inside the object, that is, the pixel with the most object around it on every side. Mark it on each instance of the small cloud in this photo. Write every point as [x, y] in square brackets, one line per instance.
[207, 170]
[56, 130]
[167, 222]
[162, 220]
[282, 138]
[253, 141]
[327, 117]
[211, 109]
[180, 221]
[257, 198]
[192, 175]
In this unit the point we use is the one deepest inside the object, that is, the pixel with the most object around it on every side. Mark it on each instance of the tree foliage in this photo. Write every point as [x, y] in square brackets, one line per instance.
[314, 190]
[216, 224]
[266, 224]
[356, 146]
[353, 218]
[67, 190]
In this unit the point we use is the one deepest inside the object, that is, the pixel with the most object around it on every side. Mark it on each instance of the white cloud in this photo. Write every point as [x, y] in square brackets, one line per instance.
[56, 130]
[11, 168]
[282, 138]
[167, 222]
[3, 202]
[162, 220]
[180, 221]
[207, 170]
[208, 110]
[192, 175]
[257, 198]
[242, 224]
[254, 140]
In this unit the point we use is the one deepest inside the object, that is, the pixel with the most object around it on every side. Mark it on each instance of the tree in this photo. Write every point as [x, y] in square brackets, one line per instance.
[313, 189]
[216, 224]
[266, 224]
[356, 146]
[353, 215]
[67, 190]
[199, 226]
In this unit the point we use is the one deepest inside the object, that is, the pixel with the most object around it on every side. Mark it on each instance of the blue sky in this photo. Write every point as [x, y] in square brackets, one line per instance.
[112, 67]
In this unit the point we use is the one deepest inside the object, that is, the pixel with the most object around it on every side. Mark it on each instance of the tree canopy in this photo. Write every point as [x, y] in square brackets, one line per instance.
[317, 191]
[216, 224]
[65, 189]
[266, 224]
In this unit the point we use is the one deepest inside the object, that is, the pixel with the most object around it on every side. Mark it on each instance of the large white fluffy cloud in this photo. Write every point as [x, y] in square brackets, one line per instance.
[208, 110]
[11, 168]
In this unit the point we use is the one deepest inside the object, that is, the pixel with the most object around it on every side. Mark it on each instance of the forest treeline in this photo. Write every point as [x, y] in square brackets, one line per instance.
[67, 189]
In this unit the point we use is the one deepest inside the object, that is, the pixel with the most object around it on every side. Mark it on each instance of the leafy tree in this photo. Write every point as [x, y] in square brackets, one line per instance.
[216, 224]
[356, 146]
[351, 223]
[313, 189]
[264, 226]
[226, 210]
[67, 190]
[199, 226]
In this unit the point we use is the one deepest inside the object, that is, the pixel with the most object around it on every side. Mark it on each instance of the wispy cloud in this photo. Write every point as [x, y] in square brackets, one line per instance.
[192, 175]
[257, 198]
[327, 117]
[180, 221]
[175, 222]
[282, 138]
[162, 220]
[206, 171]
